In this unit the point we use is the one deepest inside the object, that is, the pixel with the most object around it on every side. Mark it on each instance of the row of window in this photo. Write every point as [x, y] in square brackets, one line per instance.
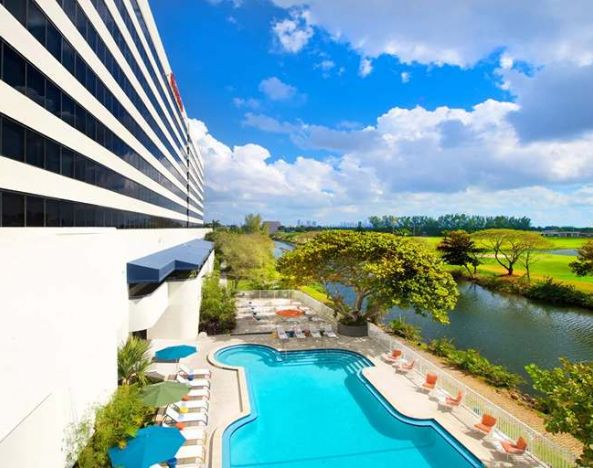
[28, 80]
[25, 145]
[78, 17]
[31, 16]
[136, 39]
[24, 210]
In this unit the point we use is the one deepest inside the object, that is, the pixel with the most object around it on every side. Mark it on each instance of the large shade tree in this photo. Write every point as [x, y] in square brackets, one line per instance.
[583, 265]
[381, 269]
[458, 248]
[510, 246]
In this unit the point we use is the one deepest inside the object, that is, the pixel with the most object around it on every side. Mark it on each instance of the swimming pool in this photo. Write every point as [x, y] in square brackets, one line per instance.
[315, 409]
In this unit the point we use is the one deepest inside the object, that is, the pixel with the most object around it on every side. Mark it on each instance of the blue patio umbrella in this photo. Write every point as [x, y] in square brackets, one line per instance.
[175, 353]
[152, 444]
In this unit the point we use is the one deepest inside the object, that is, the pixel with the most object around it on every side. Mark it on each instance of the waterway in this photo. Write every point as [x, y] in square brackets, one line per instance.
[507, 329]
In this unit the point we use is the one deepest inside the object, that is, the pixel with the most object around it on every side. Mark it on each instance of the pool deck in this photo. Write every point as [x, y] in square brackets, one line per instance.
[230, 400]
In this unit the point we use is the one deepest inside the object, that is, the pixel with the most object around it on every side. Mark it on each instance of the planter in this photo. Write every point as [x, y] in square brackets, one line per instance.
[353, 330]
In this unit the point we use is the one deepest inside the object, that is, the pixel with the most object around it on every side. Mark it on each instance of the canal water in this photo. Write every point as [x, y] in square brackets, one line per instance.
[507, 329]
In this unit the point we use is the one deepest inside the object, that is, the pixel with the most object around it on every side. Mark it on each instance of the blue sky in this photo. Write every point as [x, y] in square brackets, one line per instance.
[331, 110]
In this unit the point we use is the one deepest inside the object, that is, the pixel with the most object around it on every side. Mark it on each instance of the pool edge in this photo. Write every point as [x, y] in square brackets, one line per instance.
[247, 414]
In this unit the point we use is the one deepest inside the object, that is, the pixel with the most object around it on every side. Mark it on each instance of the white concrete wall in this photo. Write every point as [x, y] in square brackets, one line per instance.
[146, 310]
[64, 311]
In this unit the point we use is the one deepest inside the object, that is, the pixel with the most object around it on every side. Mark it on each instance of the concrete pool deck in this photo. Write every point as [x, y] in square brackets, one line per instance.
[229, 399]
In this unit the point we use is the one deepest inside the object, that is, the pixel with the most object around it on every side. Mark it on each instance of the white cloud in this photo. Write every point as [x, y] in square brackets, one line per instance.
[460, 33]
[418, 160]
[246, 103]
[276, 90]
[365, 68]
[405, 77]
[294, 33]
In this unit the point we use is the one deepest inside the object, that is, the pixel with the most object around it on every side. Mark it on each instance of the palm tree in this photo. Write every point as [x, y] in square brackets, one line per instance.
[133, 361]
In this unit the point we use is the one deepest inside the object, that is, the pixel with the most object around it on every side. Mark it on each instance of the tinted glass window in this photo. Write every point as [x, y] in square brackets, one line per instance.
[52, 98]
[68, 57]
[80, 69]
[13, 210]
[79, 168]
[67, 163]
[80, 118]
[54, 41]
[36, 22]
[52, 157]
[35, 86]
[70, 8]
[17, 8]
[13, 140]
[35, 211]
[66, 213]
[52, 213]
[68, 107]
[35, 149]
[13, 69]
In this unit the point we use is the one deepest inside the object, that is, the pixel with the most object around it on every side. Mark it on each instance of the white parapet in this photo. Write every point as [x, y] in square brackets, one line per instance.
[146, 310]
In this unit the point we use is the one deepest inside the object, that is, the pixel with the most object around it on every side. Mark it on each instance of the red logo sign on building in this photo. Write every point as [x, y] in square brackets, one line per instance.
[175, 90]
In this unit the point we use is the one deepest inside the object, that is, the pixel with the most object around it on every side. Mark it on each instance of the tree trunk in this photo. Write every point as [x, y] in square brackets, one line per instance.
[510, 269]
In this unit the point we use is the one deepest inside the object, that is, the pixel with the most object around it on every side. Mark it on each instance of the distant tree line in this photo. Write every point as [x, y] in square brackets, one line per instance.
[430, 226]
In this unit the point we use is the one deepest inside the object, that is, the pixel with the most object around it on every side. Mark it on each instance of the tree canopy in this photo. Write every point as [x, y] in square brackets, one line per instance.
[583, 265]
[568, 401]
[382, 270]
[253, 224]
[510, 245]
[458, 248]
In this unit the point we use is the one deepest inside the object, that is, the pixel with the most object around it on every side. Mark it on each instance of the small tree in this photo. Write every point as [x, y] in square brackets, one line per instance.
[217, 310]
[583, 265]
[382, 270]
[568, 399]
[509, 245]
[253, 224]
[133, 361]
[458, 248]
[533, 251]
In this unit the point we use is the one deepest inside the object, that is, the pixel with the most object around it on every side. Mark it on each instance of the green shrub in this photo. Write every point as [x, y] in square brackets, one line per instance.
[217, 311]
[441, 347]
[471, 361]
[406, 330]
[115, 423]
[559, 293]
[133, 361]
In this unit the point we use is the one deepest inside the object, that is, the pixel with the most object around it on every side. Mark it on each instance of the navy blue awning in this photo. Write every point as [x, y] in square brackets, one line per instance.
[155, 267]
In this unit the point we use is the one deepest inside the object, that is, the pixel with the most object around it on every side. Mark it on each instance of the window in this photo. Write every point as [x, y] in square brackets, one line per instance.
[80, 69]
[79, 168]
[13, 140]
[67, 163]
[13, 210]
[35, 147]
[68, 110]
[14, 69]
[35, 211]
[66, 213]
[52, 98]
[68, 59]
[52, 213]
[36, 22]
[52, 156]
[54, 42]
[35, 86]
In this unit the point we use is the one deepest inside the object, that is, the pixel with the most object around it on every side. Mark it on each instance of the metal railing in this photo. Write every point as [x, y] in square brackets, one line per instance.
[541, 447]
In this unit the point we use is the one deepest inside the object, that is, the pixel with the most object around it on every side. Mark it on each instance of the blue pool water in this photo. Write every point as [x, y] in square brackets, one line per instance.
[315, 409]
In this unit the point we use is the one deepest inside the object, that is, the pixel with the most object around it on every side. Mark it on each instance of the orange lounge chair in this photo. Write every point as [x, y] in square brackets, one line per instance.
[405, 367]
[518, 448]
[430, 383]
[486, 425]
[393, 356]
[454, 401]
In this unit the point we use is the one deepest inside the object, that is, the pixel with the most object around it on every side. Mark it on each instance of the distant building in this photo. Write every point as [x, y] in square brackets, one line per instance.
[566, 234]
[272, 226]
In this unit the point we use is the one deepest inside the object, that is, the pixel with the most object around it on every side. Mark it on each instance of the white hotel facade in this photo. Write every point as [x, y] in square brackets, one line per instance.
[101, 211]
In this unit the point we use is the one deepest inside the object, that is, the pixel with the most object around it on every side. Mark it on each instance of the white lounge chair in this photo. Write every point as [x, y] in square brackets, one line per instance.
[328, 331]
[193, 433]
[200, 418]
[196, 452]
[187, 371]
[281, 333]
[194, 383]
[200, 405]
[299, 333]
[315, 333]
[203, 393]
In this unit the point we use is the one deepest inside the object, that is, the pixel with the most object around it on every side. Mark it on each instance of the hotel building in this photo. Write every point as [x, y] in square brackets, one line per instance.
[101, 211]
